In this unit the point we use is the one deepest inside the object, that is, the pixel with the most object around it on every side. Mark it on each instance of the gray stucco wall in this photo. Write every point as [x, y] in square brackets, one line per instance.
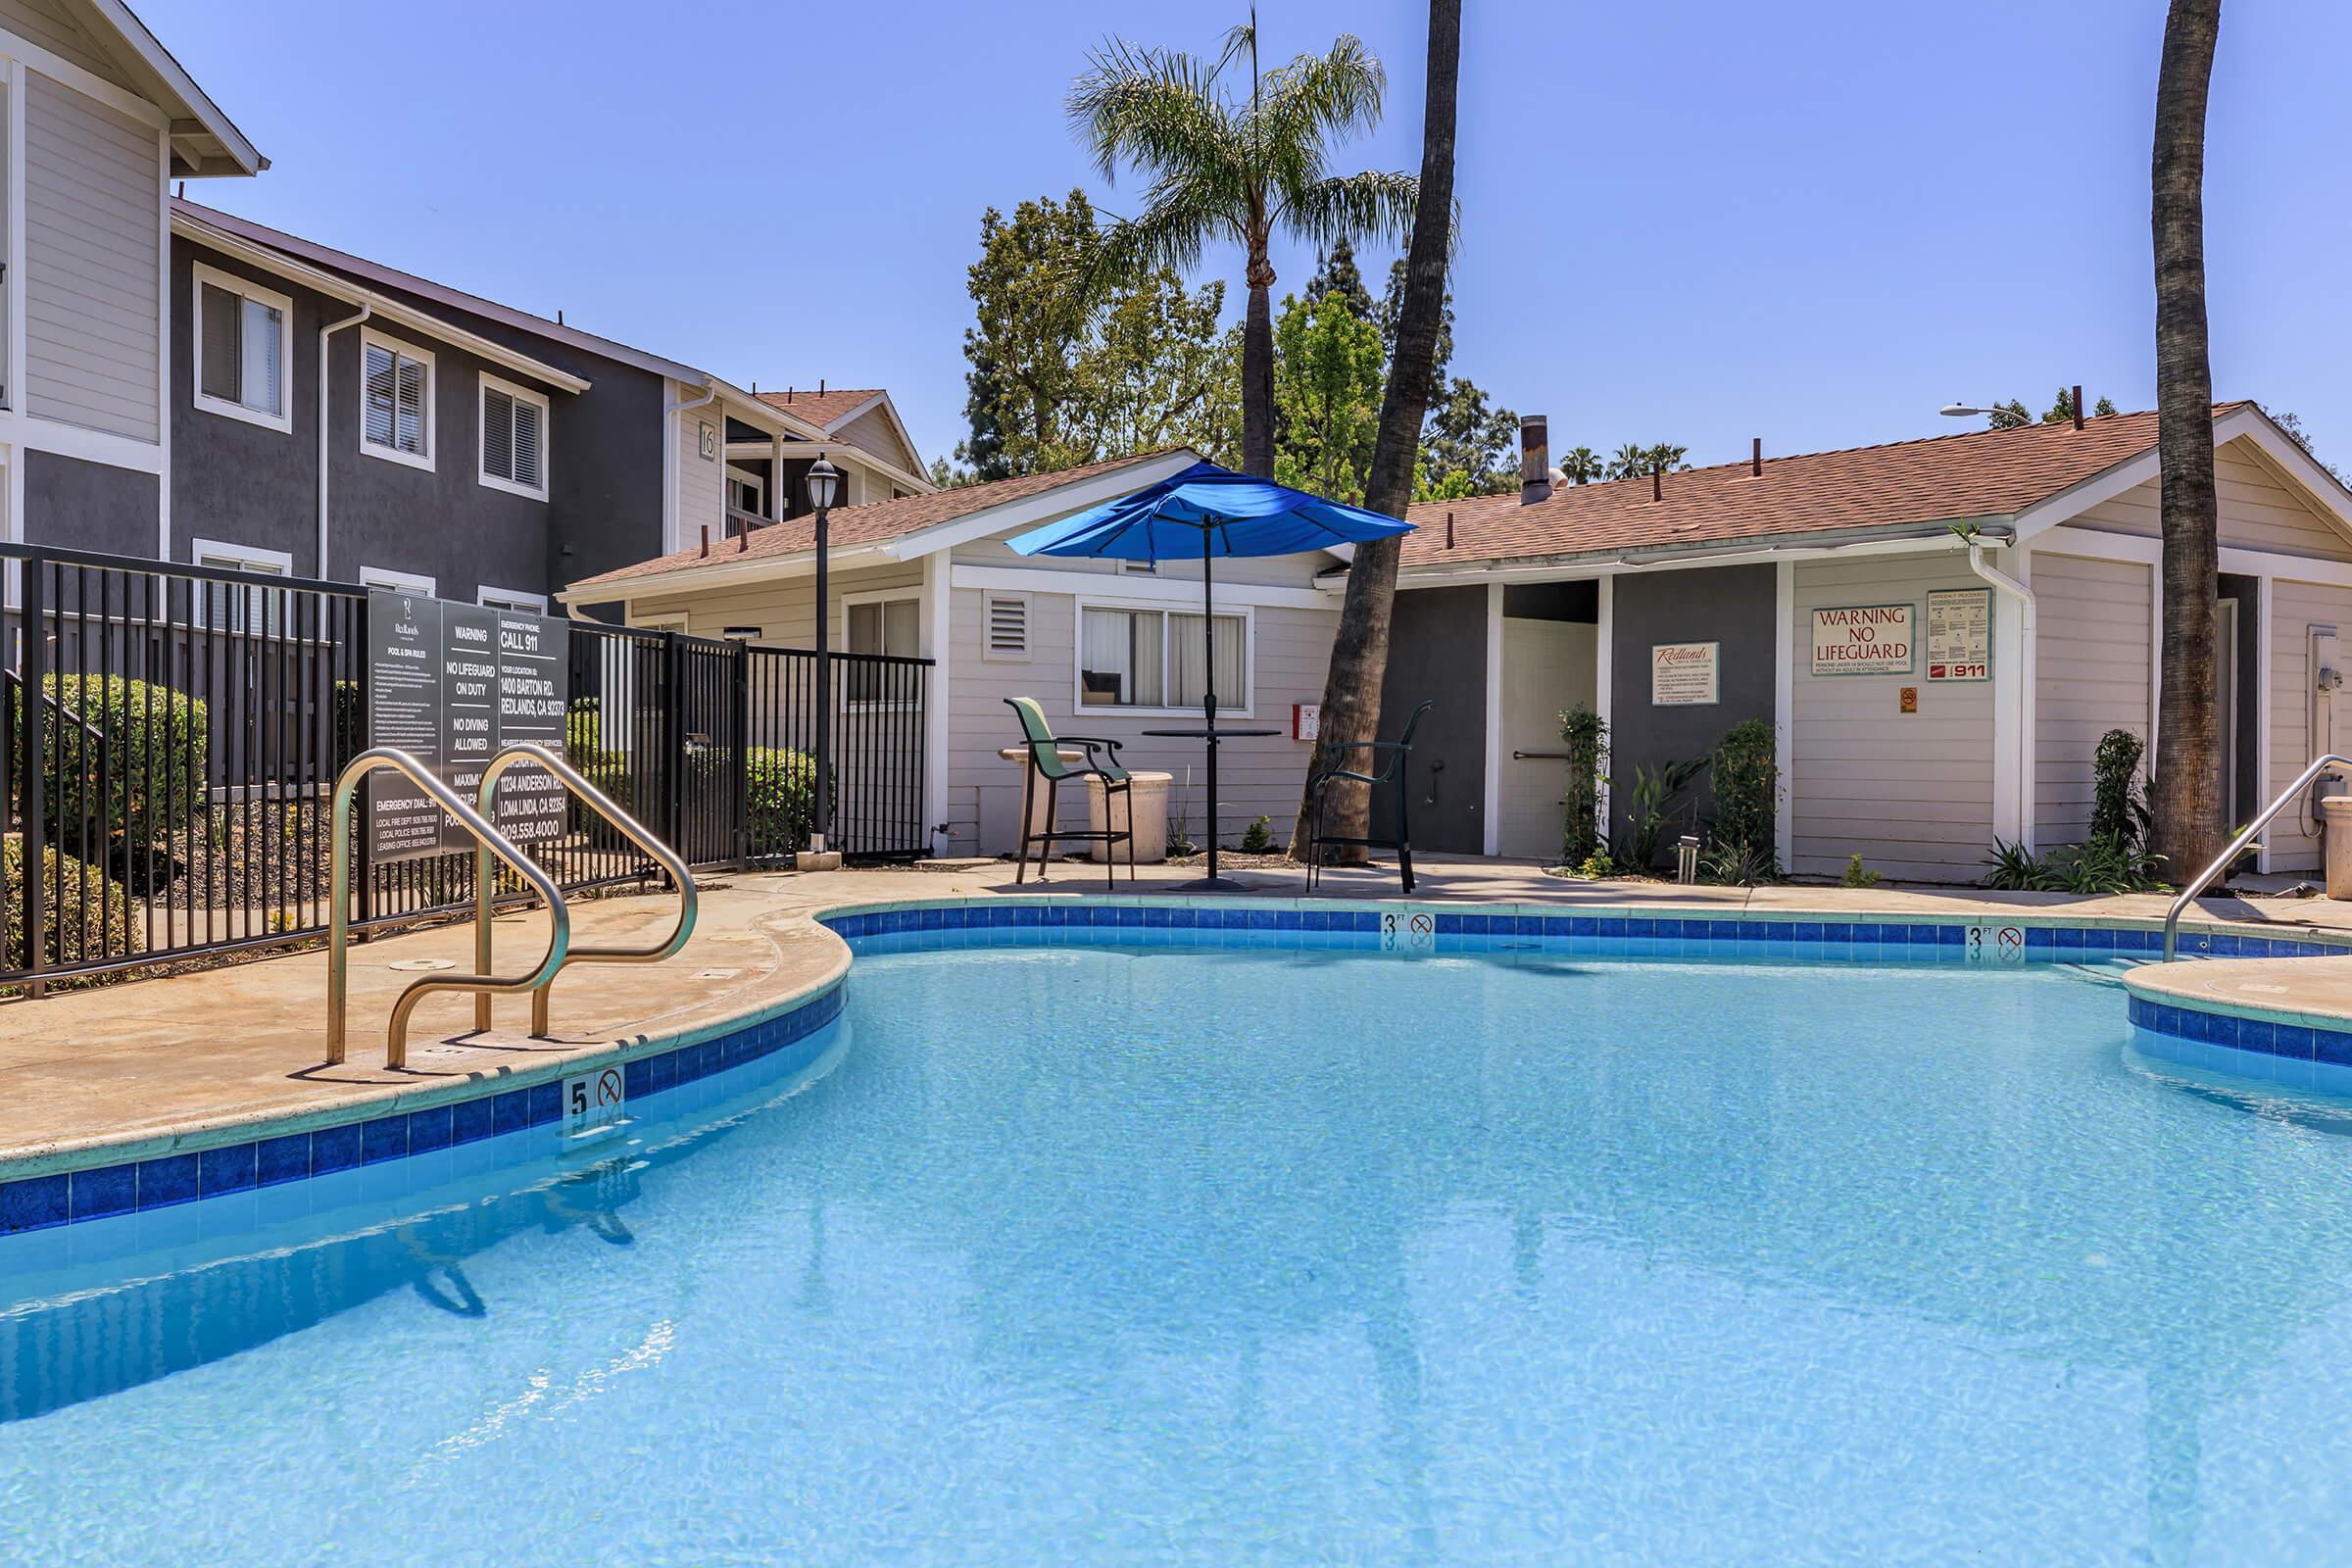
[248, 484]
[90, 506]
[1730, 605]
[1438, 652]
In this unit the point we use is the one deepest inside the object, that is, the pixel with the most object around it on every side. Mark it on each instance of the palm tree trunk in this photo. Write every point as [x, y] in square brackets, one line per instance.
[1359, 654]
[1257, 367]
[2189, 823]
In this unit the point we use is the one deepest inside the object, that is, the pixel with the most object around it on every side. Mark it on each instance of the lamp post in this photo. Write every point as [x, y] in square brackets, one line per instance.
[825, 482]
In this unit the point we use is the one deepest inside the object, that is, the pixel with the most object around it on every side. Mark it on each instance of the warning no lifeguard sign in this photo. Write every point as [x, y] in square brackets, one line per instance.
[1863, 640]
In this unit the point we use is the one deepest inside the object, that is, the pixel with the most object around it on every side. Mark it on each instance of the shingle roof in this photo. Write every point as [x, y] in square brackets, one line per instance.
[819, 408]
[1934, 479]
[874, 523]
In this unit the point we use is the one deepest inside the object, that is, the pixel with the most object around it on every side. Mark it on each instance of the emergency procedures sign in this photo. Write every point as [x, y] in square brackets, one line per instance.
[451, 684]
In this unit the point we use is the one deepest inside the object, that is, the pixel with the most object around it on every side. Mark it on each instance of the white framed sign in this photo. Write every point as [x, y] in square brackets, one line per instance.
[1959, 636]
[1863, 640]
[1685, 675]
[1409, 931]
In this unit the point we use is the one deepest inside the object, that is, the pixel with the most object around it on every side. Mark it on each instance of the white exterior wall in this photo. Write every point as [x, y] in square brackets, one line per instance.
[1262, 777]
[2257, 510]
[872, 430]
[2297, 607]
[1910, 793]
[94, 326]
[702, 483]
[45, 22]
[2094, 673]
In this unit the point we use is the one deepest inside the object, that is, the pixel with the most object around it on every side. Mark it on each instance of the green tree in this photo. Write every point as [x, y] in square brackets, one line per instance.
[1338, 274]
[1327, 389]
[1582, 466]
[1464, 437]
[1238, 167]
[1071, 363]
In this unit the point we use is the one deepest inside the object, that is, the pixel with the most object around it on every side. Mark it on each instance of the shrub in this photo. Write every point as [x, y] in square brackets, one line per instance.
[607, 770]
[1737, 866]
[74, 929]
[1595, 866]
[782, 790]
[1744, 773]
[2018, 869]
[1651, 809]
[347, 722]
[1586, 735]
[1858, 875]
[1257, 840]
[2119, 813]
[128, 756]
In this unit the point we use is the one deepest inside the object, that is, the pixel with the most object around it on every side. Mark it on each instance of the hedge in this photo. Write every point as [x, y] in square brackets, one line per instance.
[782, 790]
[72, 885]
[150, 747]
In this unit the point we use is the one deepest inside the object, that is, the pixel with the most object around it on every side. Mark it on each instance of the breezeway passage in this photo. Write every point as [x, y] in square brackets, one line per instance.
[1067, 1250]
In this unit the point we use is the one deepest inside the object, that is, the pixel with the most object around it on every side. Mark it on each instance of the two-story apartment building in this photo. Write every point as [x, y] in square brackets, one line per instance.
[96, 119]
[459, 446]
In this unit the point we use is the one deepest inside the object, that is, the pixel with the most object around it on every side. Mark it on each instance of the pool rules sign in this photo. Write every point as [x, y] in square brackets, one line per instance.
[451, 684]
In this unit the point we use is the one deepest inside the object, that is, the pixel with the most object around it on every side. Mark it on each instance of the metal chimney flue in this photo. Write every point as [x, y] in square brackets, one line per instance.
[2078, 407]
[1755, 459]
[1535, 459]
[1657, 482]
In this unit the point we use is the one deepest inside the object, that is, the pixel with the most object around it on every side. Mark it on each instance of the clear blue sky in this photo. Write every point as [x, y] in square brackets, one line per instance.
[1687, 219]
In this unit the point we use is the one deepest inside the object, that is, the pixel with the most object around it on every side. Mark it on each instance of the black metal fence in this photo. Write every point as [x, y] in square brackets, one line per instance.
[172, 735]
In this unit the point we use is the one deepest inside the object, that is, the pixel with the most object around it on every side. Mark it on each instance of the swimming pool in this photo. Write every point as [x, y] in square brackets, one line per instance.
[1116, 1253]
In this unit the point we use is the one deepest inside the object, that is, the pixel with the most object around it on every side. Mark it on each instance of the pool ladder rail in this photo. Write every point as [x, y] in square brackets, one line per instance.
[489, 843]
[2237, 846]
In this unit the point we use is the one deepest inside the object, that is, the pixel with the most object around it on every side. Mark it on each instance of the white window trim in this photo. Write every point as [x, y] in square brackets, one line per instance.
[228, 557]
[1245, 708]
[401, 345]
[510, 598]
[481, 443]
[880, 596]
[396, 582]
[283, 420]
[665, 620]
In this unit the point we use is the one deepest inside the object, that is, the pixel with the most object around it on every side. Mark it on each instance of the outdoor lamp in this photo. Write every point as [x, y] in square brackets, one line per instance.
[825, 482]
[1967, 410]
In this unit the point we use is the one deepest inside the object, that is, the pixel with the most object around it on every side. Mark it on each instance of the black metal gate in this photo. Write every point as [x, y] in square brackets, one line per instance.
[170, 735]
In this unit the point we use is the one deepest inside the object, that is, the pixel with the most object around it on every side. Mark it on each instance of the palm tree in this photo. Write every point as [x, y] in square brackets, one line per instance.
[1244, 169]
[1359, 653]
[1628, 461]
[1581, 465]
[2188, 795]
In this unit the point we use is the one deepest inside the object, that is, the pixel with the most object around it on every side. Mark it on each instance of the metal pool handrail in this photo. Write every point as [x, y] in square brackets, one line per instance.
[492, 842]
[604, 806]
[2237, 846]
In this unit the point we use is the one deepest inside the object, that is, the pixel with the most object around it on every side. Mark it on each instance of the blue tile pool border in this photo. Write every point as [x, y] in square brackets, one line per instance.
[104, 1190]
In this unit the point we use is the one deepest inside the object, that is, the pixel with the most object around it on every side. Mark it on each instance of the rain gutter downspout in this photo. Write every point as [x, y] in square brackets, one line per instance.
[326, 332]
[2005, 585]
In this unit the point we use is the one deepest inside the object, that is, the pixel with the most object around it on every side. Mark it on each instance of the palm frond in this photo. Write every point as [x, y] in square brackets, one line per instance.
[1175, 226]
[1374, 205]
[1316, 100]
[1154, 108]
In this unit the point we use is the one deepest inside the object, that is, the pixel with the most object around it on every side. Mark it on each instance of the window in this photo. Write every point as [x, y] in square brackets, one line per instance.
[746, 492]
[240, 350]
[514, 439]
[1159, 659]
[238, 606]
[1006, 630]
[395, 401]
[892, 626]
[396, 582]
[490, 597]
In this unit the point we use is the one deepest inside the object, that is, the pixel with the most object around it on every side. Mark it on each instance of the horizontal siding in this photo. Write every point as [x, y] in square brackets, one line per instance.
[1255, 777]
[872, 430]
[1911, 794]
[2295, 608]
[1272, 571]
[93, 197]
[46, 22]
[784, 611]
[2256, 511]
[2091, 675]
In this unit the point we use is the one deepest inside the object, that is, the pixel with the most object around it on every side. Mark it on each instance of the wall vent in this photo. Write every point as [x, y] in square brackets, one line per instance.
[1007, 628]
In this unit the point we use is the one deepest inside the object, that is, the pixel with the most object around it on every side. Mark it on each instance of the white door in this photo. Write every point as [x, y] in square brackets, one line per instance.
[1548, 665]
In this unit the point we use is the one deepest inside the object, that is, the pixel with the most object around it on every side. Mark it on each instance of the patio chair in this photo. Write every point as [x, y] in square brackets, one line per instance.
[1319, 787]
[1102, 760]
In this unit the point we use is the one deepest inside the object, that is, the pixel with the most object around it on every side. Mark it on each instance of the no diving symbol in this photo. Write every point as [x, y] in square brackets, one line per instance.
[1425, 925]
[607, 1088]
[2010, 943]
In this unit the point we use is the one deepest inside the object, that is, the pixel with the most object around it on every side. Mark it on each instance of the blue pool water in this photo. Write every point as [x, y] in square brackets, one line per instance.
[1080, 1254]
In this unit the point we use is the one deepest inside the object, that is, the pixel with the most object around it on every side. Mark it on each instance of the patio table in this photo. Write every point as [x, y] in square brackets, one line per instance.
[1212, 735]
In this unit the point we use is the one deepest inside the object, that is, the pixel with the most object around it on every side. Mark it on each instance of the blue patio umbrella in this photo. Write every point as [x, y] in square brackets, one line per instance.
[1208, 512]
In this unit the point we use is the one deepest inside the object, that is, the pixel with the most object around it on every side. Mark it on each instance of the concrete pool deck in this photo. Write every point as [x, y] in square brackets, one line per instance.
[152, 1067]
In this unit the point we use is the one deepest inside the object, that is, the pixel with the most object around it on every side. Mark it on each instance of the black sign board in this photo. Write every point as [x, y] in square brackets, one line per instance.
[451, 684]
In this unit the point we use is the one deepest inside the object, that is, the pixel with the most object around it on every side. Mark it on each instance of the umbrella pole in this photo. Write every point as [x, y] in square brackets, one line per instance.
[1208, 650]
